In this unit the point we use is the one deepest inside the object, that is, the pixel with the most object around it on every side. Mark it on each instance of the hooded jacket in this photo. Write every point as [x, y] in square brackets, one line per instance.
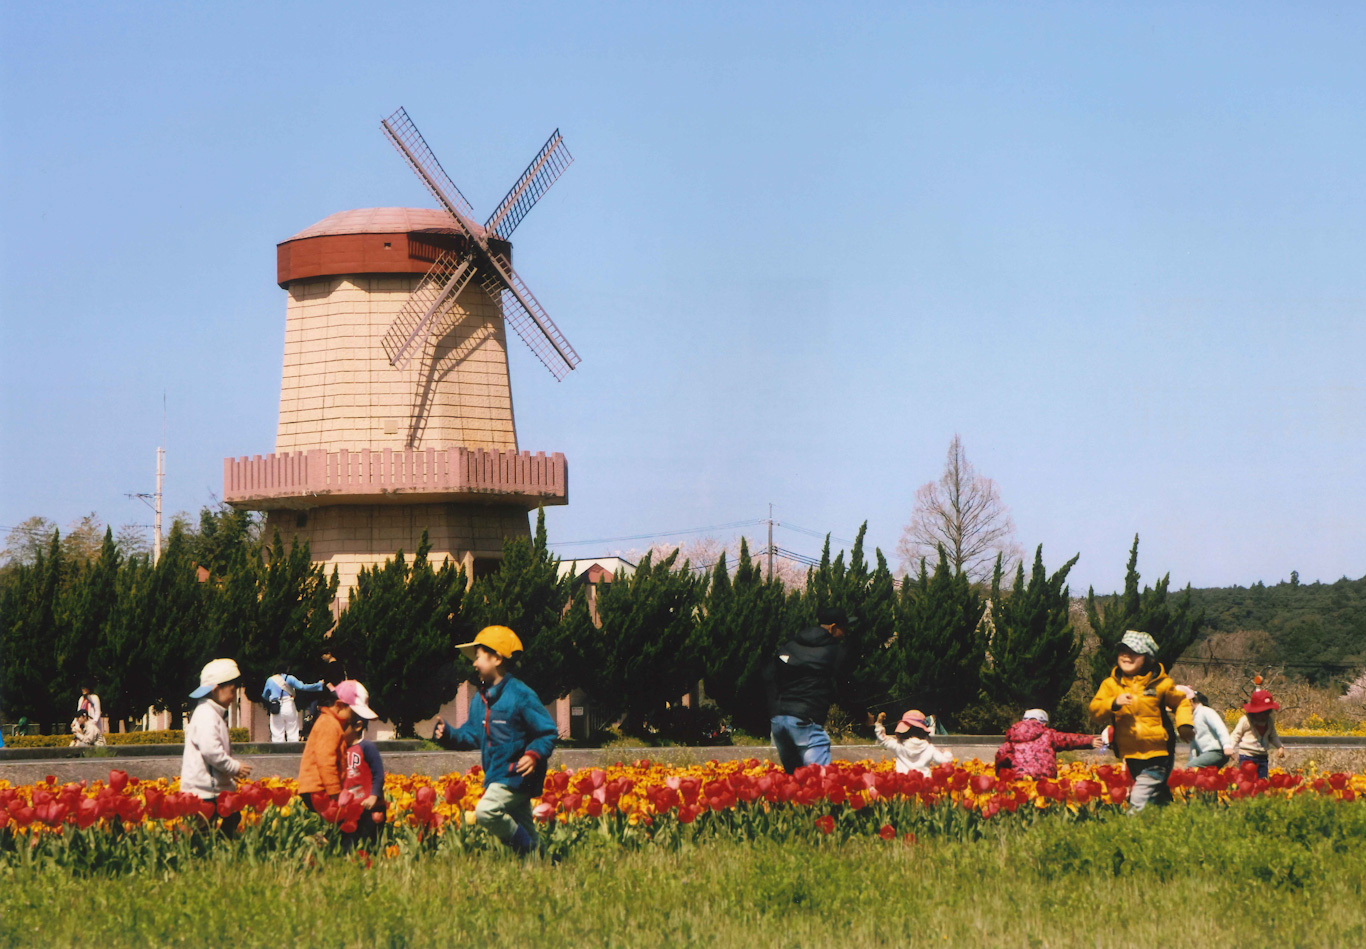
[801, 679]
[1141, 728]
[1031, 748]
[322, 766]
[507, 720]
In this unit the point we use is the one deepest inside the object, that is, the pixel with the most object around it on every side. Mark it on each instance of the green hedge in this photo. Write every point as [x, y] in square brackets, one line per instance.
[166, 736]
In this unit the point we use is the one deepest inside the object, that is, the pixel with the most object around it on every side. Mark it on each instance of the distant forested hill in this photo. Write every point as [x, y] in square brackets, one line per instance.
[1315, 629]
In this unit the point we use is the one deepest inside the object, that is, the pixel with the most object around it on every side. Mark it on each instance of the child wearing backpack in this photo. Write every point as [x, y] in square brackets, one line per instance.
[1255, 734]
[514, 734]
[911, 747]
[1139, 699]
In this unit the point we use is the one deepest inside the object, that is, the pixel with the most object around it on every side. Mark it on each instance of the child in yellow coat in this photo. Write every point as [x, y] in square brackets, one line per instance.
[1137, 699]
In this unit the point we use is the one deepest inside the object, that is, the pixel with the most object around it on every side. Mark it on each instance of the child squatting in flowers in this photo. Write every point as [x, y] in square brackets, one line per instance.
[515, 737]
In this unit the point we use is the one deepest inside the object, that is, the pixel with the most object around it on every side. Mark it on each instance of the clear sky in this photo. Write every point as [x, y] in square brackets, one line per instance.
[1118, 248]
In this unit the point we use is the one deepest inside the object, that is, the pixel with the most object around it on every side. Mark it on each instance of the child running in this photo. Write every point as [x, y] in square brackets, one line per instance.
[1255, 734]
[364, 775]
[1031, 747]
[1137, 699]
[515, 737]
[911, 747]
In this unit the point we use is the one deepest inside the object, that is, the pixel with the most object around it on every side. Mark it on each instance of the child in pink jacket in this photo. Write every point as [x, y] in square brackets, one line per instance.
[1031, 747]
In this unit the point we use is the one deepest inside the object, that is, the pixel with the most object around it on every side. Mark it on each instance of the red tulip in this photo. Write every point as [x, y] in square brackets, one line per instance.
[349, 827]
[24, 816]
[826, 824]
[455, 791]
[887, 832]
[594, 807]
[87, 812]
[229, 804]
[982, 783]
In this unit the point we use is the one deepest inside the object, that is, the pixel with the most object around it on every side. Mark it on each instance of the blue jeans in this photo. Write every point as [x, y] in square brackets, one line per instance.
[1262, 762]
[1150, 782]
[799, 741]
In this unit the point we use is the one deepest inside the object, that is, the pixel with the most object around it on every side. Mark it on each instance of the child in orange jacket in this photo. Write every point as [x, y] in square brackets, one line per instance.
[323, 763]
[1137, 699]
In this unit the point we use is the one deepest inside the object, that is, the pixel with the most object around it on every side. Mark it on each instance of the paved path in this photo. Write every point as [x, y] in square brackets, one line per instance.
[434, 763]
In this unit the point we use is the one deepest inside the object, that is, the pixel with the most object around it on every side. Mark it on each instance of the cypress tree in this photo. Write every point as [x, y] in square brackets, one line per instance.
[642, 658]
[93, 597]
[1174, 626]
[31, 621]
[741, 628]
[172, 619]
[1034, 649]
[400, 630]
[938, 651]
[527, 594]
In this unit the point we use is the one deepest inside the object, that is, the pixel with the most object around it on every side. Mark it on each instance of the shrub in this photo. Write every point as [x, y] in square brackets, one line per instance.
[165, 736]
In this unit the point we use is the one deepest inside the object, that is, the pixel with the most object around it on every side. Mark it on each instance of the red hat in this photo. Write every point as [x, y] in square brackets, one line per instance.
[1261, 701]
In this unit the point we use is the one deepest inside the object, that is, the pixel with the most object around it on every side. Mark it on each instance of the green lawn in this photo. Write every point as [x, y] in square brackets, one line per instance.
[1180, 877]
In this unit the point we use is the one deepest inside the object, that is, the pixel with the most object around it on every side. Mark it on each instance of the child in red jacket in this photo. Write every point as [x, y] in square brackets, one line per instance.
[1031, 747]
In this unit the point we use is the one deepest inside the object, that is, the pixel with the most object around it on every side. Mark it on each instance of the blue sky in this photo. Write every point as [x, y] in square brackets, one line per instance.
[1119, 249]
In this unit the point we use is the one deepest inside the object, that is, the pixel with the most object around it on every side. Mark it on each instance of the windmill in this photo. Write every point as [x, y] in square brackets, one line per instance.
[475, 258]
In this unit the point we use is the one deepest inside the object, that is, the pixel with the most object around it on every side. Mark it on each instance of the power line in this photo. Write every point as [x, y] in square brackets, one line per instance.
[651, 536]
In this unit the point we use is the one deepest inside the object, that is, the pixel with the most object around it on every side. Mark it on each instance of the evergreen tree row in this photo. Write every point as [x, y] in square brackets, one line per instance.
[139, 633]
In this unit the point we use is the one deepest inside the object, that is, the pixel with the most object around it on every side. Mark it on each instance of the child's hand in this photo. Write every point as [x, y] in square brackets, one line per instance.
[368, 803]
[1280, 752]
[1124, 700]
[525, 765]
[440, 728]
[881, 717]
[244, 772]
[1097, 742]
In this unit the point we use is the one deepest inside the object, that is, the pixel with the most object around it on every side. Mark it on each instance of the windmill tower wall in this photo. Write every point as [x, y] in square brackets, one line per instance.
[368, 456]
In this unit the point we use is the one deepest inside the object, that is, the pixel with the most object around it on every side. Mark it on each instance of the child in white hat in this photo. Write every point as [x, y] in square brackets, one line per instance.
[208, 768]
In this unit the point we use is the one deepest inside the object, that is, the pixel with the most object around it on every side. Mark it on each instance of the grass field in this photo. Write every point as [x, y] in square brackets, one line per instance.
[1184, 876]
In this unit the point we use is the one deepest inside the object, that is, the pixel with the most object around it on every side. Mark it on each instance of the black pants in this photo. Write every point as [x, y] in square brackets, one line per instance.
[225, 825]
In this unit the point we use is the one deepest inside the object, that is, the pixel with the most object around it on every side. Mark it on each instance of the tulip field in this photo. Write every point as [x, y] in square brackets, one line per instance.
[740, 837]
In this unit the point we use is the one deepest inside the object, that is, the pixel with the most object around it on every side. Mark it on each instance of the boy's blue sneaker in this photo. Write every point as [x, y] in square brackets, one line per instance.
[522, 843]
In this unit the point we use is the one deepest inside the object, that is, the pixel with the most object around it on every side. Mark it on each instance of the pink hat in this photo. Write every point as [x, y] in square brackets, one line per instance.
[354, 694]
[913, 719]
[1260, 701]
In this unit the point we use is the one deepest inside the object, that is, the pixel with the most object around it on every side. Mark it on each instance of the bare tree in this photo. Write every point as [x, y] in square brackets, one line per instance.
[963, 513]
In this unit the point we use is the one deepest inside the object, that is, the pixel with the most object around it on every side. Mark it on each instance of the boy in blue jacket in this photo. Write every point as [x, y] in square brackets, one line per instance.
[515, 736]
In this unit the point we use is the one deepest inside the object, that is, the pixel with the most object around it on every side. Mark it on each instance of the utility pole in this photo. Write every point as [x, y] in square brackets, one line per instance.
[156, 519]
[770, 540]
[154, 500]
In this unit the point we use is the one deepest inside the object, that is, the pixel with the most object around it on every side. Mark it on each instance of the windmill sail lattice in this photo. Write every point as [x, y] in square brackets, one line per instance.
[550, 162]
[519, 306]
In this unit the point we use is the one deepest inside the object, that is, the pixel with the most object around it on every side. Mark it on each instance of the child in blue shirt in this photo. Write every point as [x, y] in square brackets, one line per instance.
[514, 734]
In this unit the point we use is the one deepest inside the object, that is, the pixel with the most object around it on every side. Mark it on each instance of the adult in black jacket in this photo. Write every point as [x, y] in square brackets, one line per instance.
[801, 688]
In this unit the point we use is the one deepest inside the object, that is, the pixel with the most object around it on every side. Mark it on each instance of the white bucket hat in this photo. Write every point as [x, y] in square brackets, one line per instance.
[1036, 715]
[215, 674]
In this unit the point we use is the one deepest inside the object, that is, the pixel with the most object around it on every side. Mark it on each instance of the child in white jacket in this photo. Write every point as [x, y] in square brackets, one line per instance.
[207, 767]
[911, 747]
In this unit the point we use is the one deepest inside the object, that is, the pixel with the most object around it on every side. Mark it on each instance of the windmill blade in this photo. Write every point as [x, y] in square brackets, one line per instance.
[550, 162]
[529, 318]
[443, 283]
[413, 147]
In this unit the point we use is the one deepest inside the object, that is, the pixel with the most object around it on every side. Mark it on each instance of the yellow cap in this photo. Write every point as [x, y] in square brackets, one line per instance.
[498, 638]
